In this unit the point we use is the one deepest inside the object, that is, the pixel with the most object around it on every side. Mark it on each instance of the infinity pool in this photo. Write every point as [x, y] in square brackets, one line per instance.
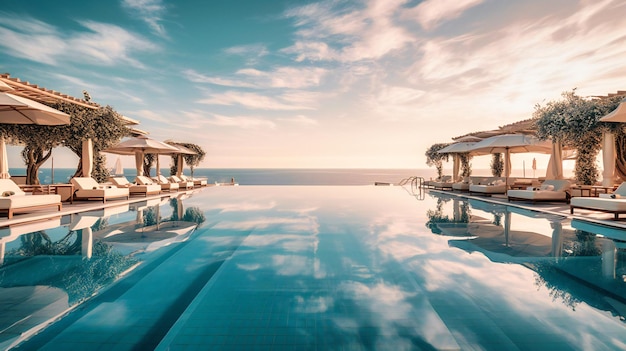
[314, 268]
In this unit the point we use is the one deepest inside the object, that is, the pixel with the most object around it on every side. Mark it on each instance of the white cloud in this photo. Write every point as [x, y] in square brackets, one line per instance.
[251, 101]
[197, 77]
[240, 122]
[430, 13]
[254, 50]
[300, 119]
[101, 44]
[150, 11]
[355, 33]
[282, 77]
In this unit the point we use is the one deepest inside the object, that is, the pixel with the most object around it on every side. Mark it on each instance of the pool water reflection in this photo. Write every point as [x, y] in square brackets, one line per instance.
[332, 268]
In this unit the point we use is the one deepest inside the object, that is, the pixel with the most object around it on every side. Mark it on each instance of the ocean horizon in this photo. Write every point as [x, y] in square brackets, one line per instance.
[282, 176]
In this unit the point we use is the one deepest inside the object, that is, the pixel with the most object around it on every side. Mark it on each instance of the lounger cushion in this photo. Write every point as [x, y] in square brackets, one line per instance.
[555, 190]
[19, 199]
[166, 184]
[22, 201]
[143, 180]
[120, 182]
[89, 188]
[487, 189]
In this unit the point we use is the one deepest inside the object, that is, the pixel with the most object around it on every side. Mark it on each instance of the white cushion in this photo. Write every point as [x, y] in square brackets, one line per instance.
[546, 187]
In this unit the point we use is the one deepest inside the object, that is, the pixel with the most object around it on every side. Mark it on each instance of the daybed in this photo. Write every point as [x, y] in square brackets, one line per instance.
[88, 188]
[612, 203]
[431, 183]
[143, 189]
[550, 190]
[183, 184]
[13, 199]
[462, 185]
[495, 186]
[161, 180]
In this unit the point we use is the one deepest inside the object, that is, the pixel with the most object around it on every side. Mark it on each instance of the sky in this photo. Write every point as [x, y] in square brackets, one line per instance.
[316, 84]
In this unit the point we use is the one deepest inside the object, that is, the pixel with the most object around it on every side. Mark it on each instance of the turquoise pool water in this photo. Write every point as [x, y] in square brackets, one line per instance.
[316, 268]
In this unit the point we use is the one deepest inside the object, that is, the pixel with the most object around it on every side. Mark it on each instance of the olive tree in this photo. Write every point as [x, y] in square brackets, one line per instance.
[103, 125]
[192, 160]
[434, 158]
[574, 122]
[38, 143]
[497, 164]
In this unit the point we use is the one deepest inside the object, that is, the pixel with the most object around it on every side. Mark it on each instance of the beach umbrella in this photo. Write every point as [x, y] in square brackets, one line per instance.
[457, 148]
[534, 167]
[5, 87]
[19, 110]
[511, 143]
[4, 163]
[118, 170]
[608, 158]
[555, 164]
[87, 157]
[617, 115]
[139, 146]
[454, 149]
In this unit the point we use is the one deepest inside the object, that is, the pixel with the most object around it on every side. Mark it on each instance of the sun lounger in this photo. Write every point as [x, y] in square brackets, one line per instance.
[181, 183]
[196, 181]
[550, 190]
[162, 181]
[88, 188]
[142, 189]
[13, 199]
[612, 203]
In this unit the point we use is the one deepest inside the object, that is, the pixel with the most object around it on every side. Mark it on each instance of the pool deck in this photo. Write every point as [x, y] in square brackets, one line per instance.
[79, 206]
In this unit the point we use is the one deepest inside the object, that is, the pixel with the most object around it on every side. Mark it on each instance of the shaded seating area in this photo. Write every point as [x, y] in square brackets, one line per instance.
[161, 180]
[614, 203]
[551, 190]
[141, 189]
[14, 200]
[88, 189]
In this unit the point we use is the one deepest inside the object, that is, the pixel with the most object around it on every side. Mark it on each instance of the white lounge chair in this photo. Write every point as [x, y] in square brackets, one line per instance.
[550, 190]
[196, 181]
[13, 199]
[87, 188]
[181, 183]
[612, 203]
[142, 189]
[162, 181]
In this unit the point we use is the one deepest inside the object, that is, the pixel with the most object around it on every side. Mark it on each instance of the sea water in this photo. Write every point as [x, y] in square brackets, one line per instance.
[264, 176]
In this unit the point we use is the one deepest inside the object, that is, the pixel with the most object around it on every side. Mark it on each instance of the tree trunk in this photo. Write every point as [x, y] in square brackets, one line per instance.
[35, 159]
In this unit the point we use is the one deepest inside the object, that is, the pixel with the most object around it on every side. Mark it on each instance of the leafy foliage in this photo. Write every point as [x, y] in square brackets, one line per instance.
[574, 121]
[497, 165]
[192, 160]
[103, 125]
[466, 166]
[434, 158]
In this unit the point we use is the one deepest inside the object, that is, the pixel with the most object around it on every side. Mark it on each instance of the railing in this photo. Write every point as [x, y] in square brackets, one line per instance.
[417, 186]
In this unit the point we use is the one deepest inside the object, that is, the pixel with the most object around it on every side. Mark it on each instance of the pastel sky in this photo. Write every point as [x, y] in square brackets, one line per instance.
[336, 83]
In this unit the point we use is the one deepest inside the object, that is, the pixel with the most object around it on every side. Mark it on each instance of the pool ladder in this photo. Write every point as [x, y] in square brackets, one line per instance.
[417, 186]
